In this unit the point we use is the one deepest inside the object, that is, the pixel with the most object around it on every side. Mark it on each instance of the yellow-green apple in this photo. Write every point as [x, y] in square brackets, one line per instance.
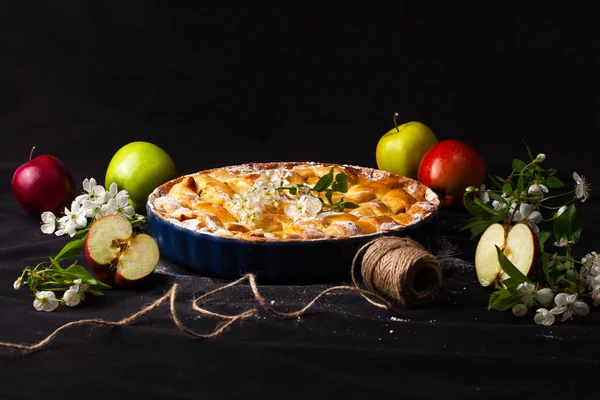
[43, 184]
[117, 255]
[400, 150]
[519, 244]
[139, 167]
[448, 168]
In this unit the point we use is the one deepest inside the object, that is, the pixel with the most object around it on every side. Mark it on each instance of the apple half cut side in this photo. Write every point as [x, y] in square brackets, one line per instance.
[520, 245]
[116, 254]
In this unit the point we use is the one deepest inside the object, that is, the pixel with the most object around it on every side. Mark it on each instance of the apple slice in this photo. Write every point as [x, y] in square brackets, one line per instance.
[116, 254]
[487, 265]
[520, 245]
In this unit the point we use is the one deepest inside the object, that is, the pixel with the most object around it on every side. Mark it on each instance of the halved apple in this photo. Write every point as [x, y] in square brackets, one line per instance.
[116, 254]
[520, 245]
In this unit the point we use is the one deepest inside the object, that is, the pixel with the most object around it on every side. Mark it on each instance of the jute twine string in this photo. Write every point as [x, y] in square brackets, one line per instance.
[391, 267]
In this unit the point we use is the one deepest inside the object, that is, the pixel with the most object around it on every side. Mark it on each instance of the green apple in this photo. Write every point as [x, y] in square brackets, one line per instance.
[140, 167]
[401, 149]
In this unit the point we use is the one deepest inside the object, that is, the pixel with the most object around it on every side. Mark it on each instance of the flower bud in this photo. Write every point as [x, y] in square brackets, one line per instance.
[471, 189]
[540, 158]
[18, 283]
[520, 310]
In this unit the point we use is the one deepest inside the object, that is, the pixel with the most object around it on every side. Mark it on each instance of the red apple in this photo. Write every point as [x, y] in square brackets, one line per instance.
[117, 255]
[450, 167]
[43, 184]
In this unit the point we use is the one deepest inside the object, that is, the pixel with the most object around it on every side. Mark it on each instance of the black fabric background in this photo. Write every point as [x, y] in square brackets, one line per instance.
[223, 84]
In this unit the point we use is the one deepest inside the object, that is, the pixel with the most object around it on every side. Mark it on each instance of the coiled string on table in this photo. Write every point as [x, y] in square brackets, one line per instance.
[390, 266]
[399, 267]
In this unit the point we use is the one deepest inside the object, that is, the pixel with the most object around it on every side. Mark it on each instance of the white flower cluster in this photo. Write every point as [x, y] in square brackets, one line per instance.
[528, 213]
[564, 304]
[93, 204]
[45, 300]
[264, 195]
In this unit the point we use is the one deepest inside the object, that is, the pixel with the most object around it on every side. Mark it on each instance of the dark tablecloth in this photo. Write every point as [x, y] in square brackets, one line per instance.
[223, 85]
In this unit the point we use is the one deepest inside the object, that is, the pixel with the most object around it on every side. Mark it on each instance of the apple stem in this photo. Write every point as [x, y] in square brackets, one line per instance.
[31, 153]
[396, 123]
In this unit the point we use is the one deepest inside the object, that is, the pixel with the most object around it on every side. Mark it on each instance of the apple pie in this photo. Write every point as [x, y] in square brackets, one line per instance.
[293, 201]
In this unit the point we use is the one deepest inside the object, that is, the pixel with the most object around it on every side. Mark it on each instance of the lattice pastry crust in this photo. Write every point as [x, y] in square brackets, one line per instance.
[241, 202]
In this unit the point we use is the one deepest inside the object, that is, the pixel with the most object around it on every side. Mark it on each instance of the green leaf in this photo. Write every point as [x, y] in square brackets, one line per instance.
[293, 190]
[80, 272]
[55, 265]
[518, 165]
[83, 232]
[546, 267]
[510, 283]
[341, 183]
[528, 150]
[497, 197]
[137, 222]
[473, 208]
[520, 184]
[324, 182]
[510, 268]
[483, 205]
[551, 172]
[568, 223]
[507, 188]
[554, 183]
[349, 204]
[102, 285]
[495, 181]
[328, 194]
[542, 237]
[502, 300]
[71, 249]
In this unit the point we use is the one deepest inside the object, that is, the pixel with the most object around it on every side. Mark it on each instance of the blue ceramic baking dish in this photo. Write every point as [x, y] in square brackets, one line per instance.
[273, 262]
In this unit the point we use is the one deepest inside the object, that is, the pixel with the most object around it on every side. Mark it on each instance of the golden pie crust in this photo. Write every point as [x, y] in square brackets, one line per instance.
[216, 201]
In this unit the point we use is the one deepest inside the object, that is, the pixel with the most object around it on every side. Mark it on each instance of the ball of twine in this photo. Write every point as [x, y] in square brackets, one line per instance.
[400, 268]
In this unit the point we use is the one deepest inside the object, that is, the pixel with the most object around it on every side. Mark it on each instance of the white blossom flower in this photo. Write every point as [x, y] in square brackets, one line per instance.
[94, 191]
[119, 205]
[520, 310]
[483, 194]
[80, 287]
[498, 206]
[567, 304]
[45, 300]
[537, 190]
[305, 206]
[544, 296]
[73, 220]
[590, 260]
[564, 242]
[92, 209]
[114, 192]
[529, 294]
[561, 211]
[582, 187]
[526, 291]
[541, 157]
[543, 317]
[71, 297]
[557, 261]
[529, 215]
[49, 222]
